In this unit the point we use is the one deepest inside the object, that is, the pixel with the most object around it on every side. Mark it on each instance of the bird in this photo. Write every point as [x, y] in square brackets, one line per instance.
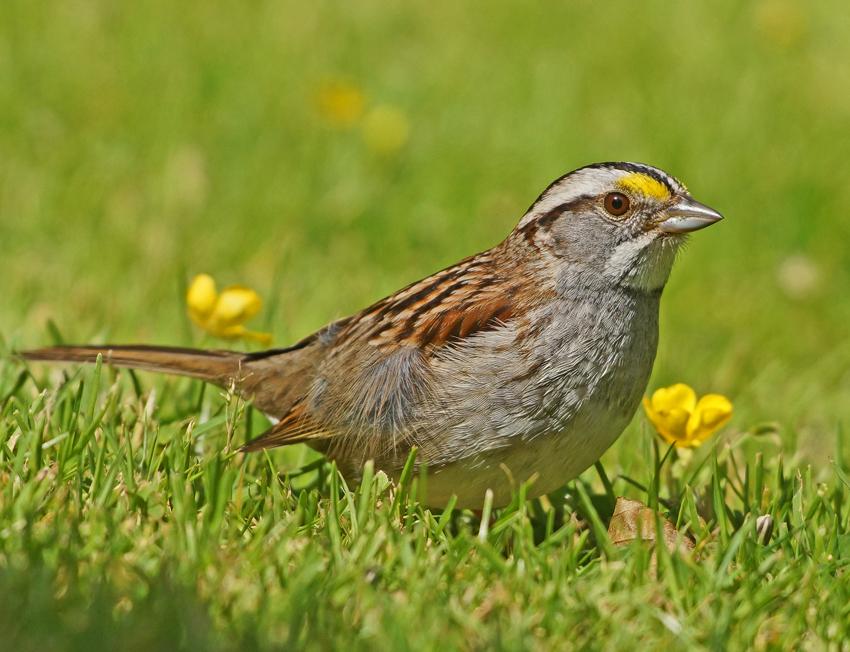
[523, 362]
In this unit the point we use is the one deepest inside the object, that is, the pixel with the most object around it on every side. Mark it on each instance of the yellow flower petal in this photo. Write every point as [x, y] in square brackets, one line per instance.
[263, 338]
[670, 424]
[222, 314]
[711, 413]
[236, 305]
[201, 298]
[675, 396]
[669, 411]
[341, 103]
[680, 419]
[237, 332]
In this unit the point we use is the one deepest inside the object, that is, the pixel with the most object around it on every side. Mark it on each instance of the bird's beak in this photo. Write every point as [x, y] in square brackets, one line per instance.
[688, 215]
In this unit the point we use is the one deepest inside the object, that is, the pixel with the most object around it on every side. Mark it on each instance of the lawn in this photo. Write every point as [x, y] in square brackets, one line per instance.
[327, 153]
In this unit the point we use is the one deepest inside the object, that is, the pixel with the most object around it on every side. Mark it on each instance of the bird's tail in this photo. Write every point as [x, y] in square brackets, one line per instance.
[218, 367]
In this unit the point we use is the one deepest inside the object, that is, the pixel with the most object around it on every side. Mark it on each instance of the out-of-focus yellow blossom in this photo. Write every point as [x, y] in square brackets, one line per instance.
[781, 23]
[223, 314]
[340, 103]
[385, 129]
[682, 420]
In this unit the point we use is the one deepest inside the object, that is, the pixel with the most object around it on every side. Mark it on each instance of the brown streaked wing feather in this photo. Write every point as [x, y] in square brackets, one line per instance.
[458, 323]
[473, 296]
[295, 428]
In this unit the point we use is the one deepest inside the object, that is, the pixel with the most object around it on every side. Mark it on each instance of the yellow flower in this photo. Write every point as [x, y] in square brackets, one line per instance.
[340, 103]
[682, 420]
[385, 129]
[223, 314]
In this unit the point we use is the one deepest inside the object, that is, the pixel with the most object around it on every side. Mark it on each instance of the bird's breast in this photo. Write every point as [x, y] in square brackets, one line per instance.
[548, 408]
[575, 372]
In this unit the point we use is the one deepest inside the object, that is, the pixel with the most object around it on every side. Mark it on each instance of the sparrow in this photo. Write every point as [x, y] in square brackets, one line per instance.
[525, 361]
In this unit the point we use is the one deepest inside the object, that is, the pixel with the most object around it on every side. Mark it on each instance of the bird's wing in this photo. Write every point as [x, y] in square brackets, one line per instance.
[295, 428]
[477, 294]
[376, 370]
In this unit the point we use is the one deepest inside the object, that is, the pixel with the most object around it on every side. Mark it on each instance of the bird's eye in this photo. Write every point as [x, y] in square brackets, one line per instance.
[616, 203]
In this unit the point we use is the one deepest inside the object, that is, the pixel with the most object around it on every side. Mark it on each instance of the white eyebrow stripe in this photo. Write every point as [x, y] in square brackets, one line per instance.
[587, 181]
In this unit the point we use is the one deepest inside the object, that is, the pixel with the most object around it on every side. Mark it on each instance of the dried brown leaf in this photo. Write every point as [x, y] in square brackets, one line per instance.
[634, 520]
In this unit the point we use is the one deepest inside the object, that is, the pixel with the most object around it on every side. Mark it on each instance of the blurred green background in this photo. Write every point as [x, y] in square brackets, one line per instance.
[348, 148]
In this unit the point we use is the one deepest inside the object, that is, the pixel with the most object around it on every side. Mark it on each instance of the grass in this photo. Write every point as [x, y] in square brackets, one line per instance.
[127, 527]
[141, 143]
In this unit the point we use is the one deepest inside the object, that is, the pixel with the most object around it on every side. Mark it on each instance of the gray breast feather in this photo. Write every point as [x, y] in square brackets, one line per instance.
[494, 388]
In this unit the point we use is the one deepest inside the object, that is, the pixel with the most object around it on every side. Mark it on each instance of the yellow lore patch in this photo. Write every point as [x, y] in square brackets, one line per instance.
[644, 184]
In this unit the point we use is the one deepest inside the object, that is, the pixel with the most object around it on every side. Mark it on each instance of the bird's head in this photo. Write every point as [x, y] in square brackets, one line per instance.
[623, 221]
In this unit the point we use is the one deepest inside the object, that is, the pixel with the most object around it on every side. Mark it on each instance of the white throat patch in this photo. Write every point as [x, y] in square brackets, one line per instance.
[645, 262]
